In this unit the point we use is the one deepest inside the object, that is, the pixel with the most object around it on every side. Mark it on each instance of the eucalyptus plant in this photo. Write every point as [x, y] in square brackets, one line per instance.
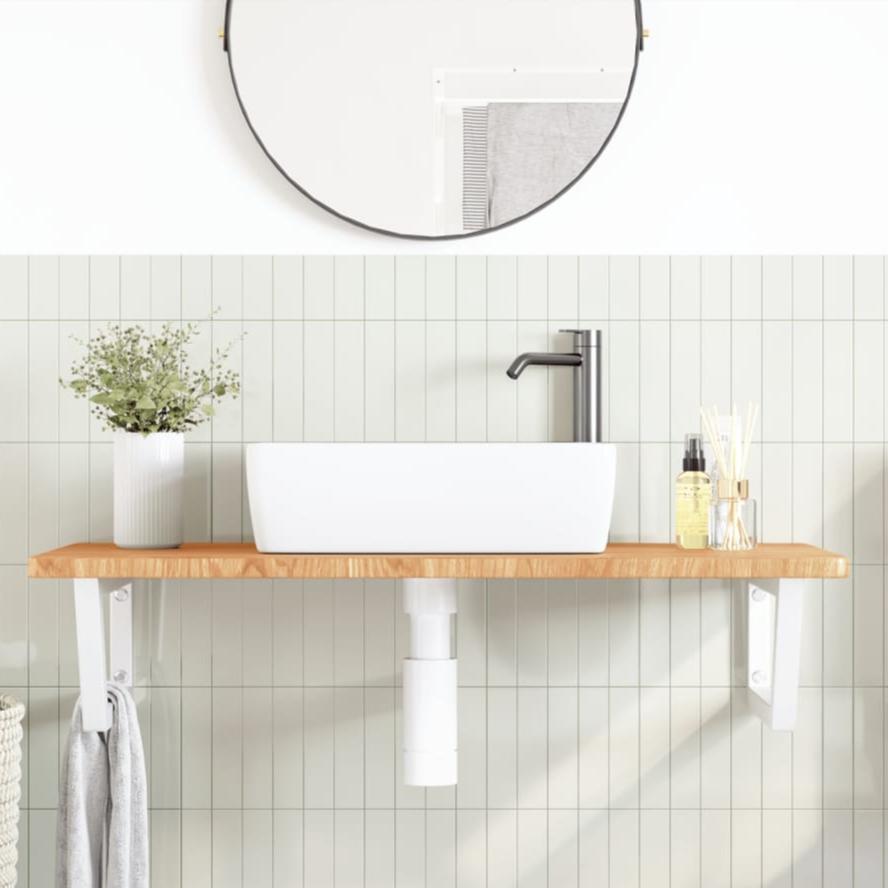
[141, 382]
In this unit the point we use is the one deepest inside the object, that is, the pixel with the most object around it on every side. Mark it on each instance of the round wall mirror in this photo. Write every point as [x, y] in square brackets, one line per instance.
[433, 118]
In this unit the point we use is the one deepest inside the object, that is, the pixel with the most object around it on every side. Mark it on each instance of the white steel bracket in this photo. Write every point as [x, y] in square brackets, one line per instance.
[96, 711]
[774, 614]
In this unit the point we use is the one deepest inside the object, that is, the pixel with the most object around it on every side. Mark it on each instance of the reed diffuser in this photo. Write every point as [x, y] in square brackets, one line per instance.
[733, 513]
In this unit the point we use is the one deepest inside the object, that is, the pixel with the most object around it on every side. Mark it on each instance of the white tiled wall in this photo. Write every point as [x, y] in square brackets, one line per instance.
[604, 732]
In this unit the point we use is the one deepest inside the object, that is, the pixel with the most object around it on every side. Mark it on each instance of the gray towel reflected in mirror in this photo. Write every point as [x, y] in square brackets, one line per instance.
[518, 155]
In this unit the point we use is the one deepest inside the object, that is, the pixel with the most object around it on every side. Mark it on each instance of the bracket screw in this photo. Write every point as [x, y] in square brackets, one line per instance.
[121, 594]
[758, 594]
[120, 676]
[759, 677]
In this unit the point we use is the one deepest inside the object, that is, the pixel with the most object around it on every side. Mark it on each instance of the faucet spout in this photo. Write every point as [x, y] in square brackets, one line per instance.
[586, 361]
[529, 359]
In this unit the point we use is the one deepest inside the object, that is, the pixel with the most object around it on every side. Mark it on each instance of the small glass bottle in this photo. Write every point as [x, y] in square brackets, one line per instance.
[733, 525]
[693, 497]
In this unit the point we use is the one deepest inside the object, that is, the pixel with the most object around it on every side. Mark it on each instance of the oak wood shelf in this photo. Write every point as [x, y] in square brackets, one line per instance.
[210, 561]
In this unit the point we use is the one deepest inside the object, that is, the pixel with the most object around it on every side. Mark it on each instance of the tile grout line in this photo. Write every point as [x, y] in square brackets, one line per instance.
[785, 443]
[58, 585]
[549, 435]
[882, 546]
[302, 702]
[28, 581]
[638, 534]
[395, 718]
[732, 585]
[334, 587]
[240, 585]
[273, 726]
[792, 530]
[853, 552]
[607, 587]
[669, 586]
[364, 592]
[527, 319]
[181, 662]
[884, 430]
[415, 810]
[822, 541]
[577, 652]
[526, 686]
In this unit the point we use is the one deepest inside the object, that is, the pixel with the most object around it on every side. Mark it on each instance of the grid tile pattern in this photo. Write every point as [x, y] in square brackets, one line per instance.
[604, 733]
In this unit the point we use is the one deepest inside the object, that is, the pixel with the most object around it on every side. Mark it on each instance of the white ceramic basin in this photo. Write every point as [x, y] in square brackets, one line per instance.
[431, 497]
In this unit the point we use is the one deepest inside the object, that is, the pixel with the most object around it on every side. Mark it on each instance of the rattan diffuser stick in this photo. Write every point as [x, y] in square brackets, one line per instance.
[732, 465]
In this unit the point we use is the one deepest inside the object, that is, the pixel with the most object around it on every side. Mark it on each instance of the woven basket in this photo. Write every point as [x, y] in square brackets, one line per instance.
[11, 714]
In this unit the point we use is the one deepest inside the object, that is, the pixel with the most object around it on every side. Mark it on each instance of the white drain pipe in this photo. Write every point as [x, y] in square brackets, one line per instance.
[430, 683]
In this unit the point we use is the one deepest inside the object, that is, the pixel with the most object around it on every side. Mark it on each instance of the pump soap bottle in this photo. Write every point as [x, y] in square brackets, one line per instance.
[693, 497]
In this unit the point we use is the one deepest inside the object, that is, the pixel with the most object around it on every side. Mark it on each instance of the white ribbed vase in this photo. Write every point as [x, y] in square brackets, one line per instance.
[149, 476]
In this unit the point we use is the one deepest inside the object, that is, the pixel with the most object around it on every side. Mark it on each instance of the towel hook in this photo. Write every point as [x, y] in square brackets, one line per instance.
[96, 711]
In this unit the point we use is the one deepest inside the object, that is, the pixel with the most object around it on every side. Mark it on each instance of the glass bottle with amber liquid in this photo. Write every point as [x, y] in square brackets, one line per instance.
[693, 497]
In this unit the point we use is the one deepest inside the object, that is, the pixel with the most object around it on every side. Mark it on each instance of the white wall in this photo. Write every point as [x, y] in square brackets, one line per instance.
[755, 127]
[605, 737]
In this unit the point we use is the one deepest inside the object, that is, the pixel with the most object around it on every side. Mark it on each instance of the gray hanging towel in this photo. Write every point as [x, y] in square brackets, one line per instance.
[102, 835]
[530, 151]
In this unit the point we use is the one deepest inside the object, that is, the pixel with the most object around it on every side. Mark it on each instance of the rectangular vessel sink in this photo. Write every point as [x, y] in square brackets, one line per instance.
[433, 498]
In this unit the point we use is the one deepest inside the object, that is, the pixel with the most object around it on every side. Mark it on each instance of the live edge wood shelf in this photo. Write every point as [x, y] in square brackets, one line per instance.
[217, 561]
